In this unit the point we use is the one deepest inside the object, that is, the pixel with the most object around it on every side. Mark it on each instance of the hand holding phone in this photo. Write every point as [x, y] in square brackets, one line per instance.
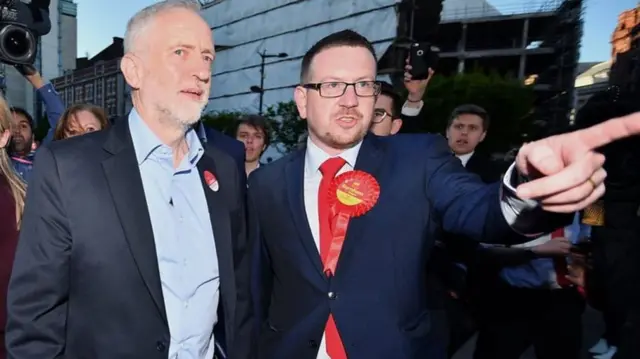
[422, 57]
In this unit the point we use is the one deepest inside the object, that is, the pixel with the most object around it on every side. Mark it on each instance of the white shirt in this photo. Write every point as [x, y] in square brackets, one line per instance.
[465, 158]
[314, 157]
[412, 111]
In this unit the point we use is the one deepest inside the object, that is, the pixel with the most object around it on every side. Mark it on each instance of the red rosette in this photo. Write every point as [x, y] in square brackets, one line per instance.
[353, 193]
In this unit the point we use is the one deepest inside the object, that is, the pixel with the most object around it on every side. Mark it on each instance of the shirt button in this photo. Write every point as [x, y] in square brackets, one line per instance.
[331, 295]
[186, 304]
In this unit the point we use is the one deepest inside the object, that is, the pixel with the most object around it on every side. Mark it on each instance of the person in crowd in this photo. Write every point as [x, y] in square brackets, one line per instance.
[12, 192]
[80, 119]
[612, 283]
[387, 118]
[253, 131]
[222, 141]
[529, 300]
[389, 115]
[333, 293]
[22, 138]
[131, 235]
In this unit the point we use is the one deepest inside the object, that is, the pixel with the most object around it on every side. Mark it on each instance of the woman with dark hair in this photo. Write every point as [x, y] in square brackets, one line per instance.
[12, 193]
[80, 119]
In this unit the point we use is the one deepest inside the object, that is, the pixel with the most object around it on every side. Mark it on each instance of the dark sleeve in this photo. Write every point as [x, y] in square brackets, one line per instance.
[412, 124]
[464, 204]
[245, 346]
[504, 257]
[467, 206]
[39, 287]
[239, 156]
[53, 106]
[8, 241]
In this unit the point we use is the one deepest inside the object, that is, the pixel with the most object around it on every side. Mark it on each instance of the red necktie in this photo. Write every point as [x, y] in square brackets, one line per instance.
[329, 169]
[560, 263]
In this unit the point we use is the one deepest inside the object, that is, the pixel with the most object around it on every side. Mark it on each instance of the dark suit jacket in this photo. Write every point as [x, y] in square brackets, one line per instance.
[230, 145]
[8, 241]
[85, 283]
[380, 302]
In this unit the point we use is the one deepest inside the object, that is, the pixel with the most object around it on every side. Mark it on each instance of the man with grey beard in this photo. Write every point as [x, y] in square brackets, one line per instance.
[130, 235]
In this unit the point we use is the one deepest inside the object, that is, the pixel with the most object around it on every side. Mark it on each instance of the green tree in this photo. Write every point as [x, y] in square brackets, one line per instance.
[508, 102]
[287, 128]
[223, 121]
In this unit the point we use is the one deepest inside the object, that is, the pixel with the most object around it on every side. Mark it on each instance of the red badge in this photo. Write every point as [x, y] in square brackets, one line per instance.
[353, 193]
[211, 181]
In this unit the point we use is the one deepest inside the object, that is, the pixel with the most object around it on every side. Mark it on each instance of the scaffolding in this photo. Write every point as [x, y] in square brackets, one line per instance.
[556, 102]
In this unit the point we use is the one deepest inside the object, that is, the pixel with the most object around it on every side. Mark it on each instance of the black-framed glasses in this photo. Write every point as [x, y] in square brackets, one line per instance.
[336, 89]
[380, 114]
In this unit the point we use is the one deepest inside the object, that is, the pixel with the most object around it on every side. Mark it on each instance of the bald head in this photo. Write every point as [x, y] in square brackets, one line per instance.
[142, 20]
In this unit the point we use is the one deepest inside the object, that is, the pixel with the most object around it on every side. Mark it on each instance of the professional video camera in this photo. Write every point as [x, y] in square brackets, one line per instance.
[21, 23]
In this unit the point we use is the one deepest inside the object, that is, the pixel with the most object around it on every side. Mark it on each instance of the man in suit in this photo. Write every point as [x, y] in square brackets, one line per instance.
[223, 142]
[373, 302]
[131, 235]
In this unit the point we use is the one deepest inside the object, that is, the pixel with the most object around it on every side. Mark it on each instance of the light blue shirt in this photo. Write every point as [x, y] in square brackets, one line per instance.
[184, 240]
[540, 273]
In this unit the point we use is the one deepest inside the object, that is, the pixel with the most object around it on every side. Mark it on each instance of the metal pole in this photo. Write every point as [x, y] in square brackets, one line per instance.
[412, 19]
[263, 56]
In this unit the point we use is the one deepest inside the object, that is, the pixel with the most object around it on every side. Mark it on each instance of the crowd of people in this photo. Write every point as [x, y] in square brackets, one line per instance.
[155, 237]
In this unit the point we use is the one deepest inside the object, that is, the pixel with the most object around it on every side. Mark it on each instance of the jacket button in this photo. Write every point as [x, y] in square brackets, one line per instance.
[331, 295]
[313, 344]
[161, 346]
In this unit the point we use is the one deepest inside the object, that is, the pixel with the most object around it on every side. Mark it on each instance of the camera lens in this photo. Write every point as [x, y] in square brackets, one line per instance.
[16, 43]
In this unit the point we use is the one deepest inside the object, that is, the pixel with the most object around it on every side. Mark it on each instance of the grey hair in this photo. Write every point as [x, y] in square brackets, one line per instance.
[144, 17]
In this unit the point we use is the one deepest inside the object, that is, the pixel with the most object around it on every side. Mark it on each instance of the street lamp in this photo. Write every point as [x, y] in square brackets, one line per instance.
[260, 89]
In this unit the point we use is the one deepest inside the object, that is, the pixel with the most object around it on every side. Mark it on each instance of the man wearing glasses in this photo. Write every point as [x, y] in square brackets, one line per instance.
[387, 120]
[347, 280]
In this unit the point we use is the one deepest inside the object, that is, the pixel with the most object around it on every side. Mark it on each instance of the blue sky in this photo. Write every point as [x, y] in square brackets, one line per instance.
[100, 20]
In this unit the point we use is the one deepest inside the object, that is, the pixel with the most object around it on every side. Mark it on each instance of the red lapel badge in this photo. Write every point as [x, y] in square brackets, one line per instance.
[211, 181]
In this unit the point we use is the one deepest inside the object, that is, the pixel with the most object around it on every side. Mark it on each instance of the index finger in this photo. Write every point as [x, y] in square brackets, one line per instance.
[610, 131]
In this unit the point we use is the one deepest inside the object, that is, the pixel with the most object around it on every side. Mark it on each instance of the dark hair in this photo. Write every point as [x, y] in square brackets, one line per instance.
[21, 111]
[470, 109]
[347, 38]
[386, 89]
[257, 122]
[60, 132]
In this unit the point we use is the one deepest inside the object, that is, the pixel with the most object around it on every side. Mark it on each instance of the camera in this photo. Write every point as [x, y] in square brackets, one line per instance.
[422, 57]
[21, 24]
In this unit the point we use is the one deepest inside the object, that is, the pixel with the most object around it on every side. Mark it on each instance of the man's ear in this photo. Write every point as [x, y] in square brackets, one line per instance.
[132, 71]
[300, 96]
[4, 138]
[396, 125]
[484, 134]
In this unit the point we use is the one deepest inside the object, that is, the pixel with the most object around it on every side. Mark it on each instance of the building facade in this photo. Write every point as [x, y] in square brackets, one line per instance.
[97, 81]
[621, 38]
[68, 35]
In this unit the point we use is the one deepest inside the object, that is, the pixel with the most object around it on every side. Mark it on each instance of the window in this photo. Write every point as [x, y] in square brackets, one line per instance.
[111, 86]
[78, 94]
[69, 96]
[88, 93]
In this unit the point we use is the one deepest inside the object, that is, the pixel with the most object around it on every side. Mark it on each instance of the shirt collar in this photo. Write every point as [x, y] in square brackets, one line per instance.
[145, 142]
[315, 157]
[465, 158]
[201, 131]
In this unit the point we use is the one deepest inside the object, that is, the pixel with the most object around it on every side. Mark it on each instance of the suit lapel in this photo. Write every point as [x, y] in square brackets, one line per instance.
[221, 226]
[123, 176]
[472, 164]
[370, 159]
[294, 172]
